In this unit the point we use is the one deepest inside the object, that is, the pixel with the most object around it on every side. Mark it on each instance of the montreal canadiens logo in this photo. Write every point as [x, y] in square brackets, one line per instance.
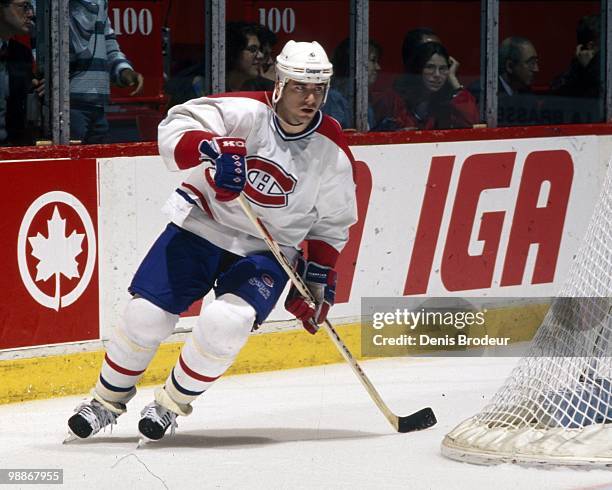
[268, 185]
[56, 249]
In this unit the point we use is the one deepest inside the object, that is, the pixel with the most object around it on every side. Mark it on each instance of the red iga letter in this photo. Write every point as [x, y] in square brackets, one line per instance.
[428, 229]
[541, 225]
[459, 270]
[348, 257]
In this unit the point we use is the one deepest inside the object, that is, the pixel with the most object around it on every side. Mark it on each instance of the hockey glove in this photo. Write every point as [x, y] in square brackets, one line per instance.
[230, 166]
[321, 282]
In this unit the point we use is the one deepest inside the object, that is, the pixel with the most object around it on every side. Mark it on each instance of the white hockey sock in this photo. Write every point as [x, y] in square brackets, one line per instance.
[220, 333]
[131, 348]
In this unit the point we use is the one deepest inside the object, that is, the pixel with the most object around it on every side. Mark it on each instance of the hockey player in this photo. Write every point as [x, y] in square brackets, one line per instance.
[294, 165]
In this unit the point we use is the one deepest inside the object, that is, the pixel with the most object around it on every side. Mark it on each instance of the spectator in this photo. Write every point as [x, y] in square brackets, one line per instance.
[265, 79]
[243, 58]
[95, 61]
[244, 54]
[429, 95]
[422, 35]
[412, 39]
[415, 37]
[337, 104]
[518, 65]
[582, 78]
[268, 41]
[16, 18]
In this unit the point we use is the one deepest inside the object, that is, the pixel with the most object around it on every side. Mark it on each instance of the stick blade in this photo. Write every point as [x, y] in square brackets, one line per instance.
[420, 420]
[70, 437]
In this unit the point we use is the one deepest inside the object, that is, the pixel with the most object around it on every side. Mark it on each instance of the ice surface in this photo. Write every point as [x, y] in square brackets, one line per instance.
[305, 428]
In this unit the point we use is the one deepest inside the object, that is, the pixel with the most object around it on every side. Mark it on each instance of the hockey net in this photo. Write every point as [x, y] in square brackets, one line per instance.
[556, 406]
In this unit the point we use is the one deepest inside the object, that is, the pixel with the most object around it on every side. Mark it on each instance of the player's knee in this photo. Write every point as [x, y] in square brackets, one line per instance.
[224, 326]
[147, 324]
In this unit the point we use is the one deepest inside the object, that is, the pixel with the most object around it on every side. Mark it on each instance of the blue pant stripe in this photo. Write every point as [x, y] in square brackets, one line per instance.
[111, 387]
[183, 390]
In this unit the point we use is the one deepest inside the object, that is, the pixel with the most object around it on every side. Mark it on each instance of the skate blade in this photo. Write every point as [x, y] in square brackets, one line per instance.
[143, 441]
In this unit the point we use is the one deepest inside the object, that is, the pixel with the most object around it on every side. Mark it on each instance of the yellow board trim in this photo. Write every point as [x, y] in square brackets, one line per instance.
[72, 374]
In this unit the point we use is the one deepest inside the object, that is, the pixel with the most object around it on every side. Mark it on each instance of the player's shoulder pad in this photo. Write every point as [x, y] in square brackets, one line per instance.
[331, 129]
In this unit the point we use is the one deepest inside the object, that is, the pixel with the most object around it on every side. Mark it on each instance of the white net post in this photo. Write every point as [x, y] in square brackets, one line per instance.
[556, 406]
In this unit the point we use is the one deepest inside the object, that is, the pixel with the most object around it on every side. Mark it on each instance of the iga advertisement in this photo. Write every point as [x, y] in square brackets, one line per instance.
[487, 218]
[48, 244]
[483, 218]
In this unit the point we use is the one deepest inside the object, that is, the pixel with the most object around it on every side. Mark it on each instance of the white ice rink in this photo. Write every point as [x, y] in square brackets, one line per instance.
[313, 428]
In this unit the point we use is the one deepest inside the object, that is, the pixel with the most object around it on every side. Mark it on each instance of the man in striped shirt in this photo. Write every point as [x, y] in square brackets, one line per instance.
[95, 61]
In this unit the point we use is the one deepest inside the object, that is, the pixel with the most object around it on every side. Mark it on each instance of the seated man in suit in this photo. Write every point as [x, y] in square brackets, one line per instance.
[518, 66]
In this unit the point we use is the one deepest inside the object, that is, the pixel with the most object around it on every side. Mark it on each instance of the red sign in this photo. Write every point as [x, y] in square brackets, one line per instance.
[49, 247]
[300, 21]
[138, 26]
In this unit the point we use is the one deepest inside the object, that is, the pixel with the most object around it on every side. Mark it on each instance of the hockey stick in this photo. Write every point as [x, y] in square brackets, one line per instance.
[422, 419]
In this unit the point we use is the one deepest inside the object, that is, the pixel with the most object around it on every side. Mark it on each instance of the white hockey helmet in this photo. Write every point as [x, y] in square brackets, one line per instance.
[303, 62]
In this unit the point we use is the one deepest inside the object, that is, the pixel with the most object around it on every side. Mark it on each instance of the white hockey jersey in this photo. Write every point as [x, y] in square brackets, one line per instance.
[300, 185]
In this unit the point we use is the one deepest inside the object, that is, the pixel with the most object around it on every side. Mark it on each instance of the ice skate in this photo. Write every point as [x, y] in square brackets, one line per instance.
[155, 422]
[91, 417]
[158, 416]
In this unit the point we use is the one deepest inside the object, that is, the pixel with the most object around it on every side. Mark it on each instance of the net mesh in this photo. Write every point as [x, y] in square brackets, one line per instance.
[556, 406]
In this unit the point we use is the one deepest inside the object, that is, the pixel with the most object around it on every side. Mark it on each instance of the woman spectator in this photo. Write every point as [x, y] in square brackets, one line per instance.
[244, 54]
[242, 62]
[264, 81]
[429, 95]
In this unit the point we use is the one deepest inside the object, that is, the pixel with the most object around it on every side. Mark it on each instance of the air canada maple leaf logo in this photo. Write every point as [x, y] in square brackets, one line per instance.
[56, 251]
